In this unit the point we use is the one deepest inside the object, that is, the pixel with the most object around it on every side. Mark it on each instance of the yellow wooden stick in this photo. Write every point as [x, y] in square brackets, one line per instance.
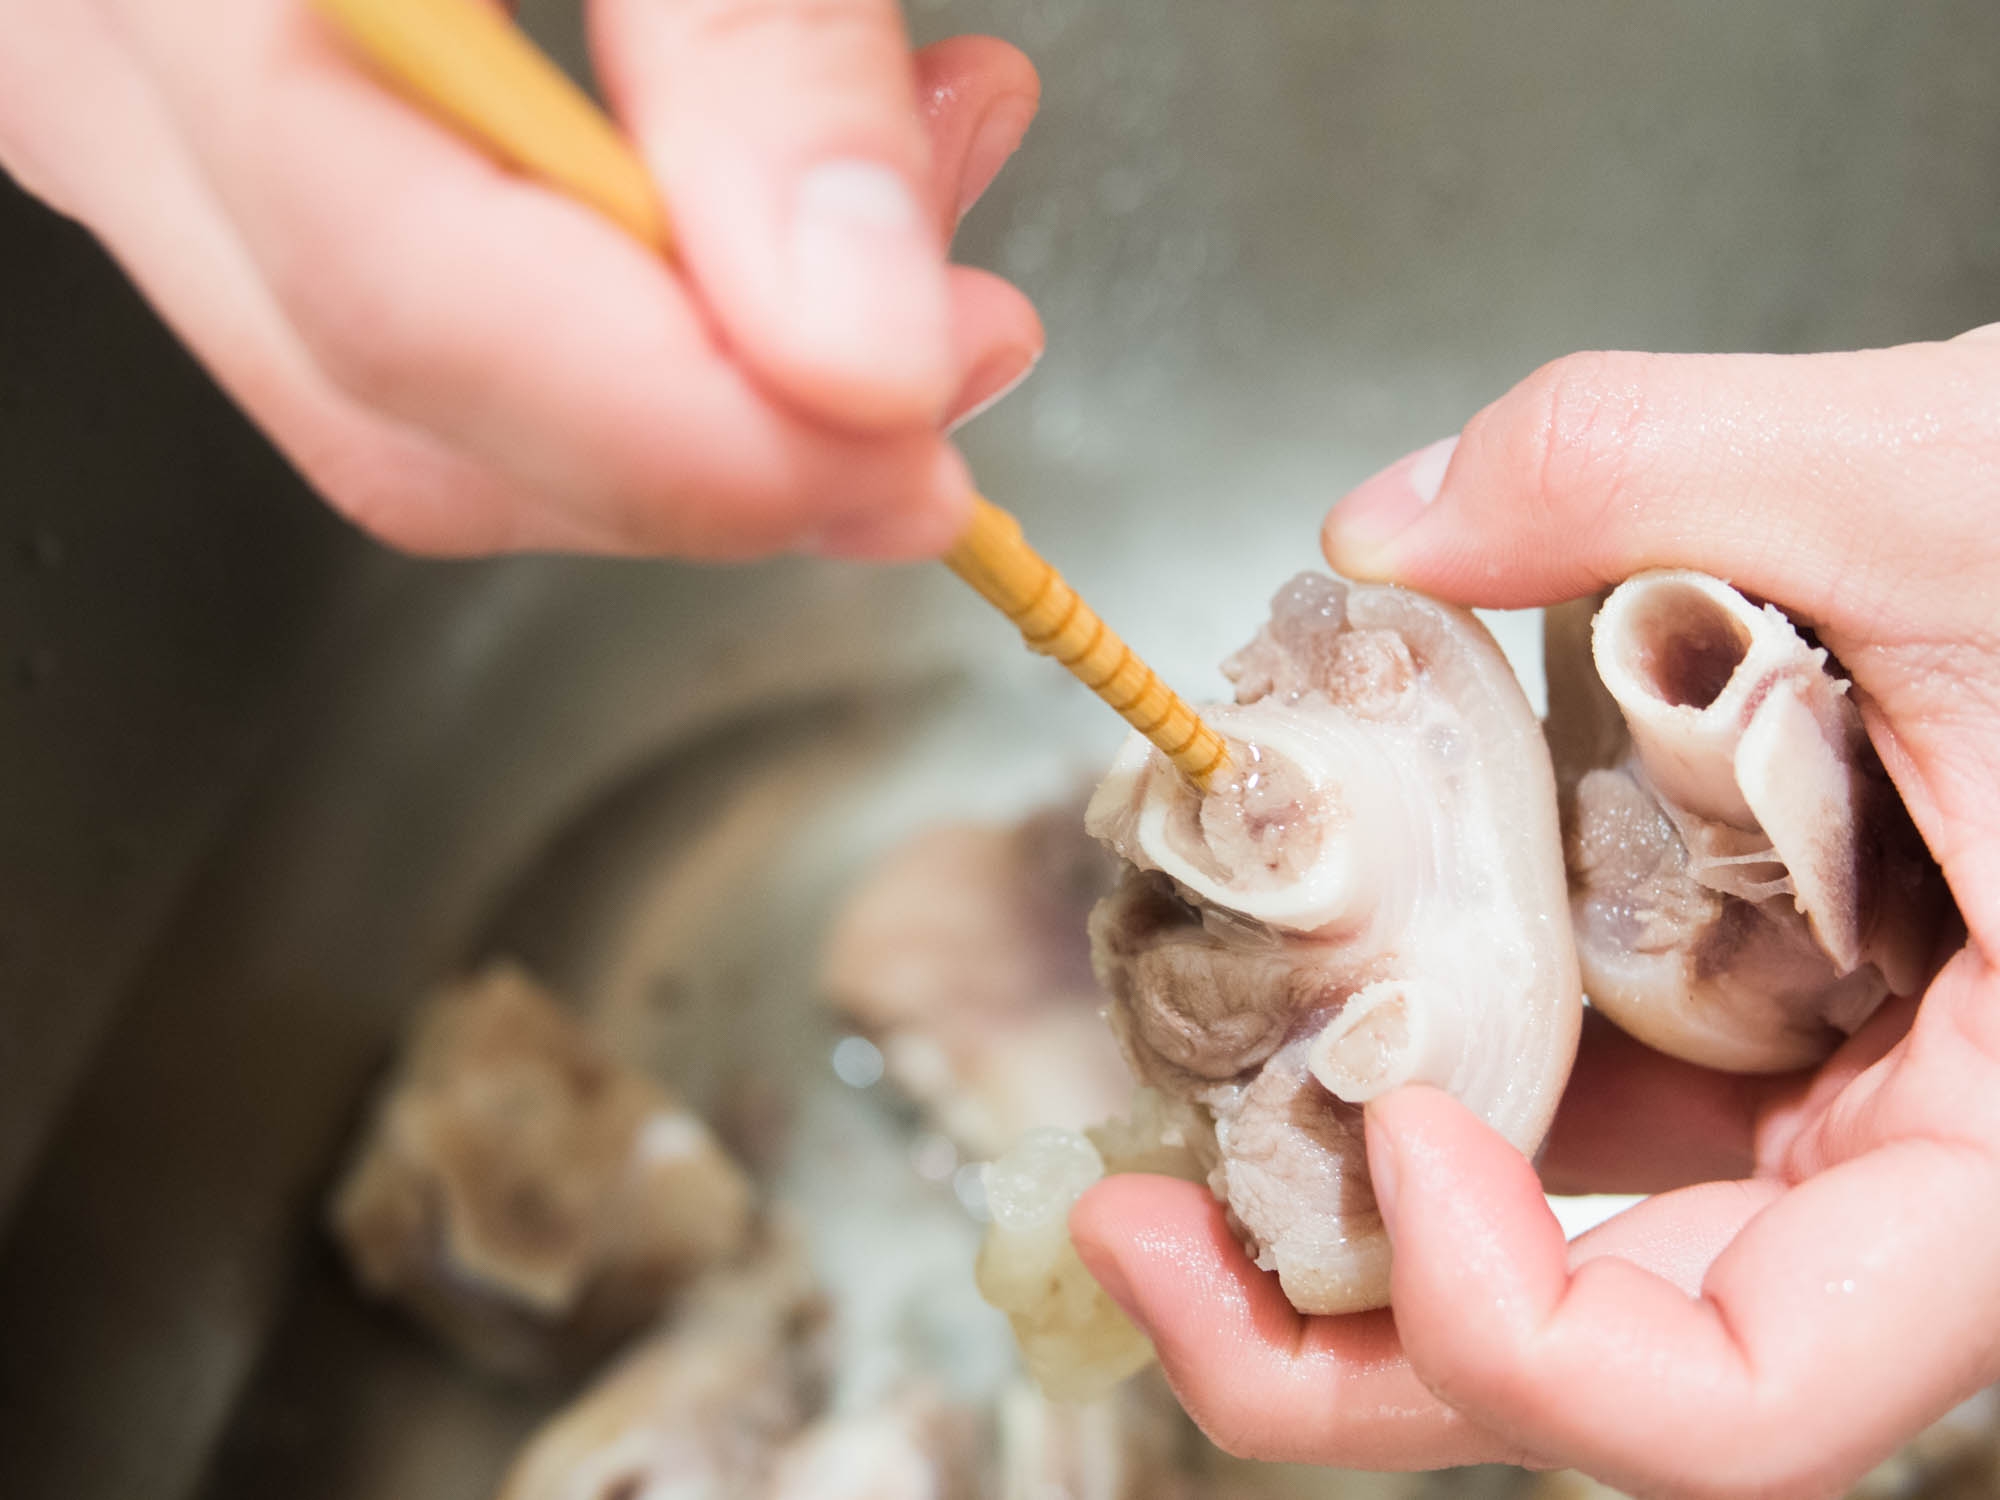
[470, 64]
[475, 68]
[995, 559]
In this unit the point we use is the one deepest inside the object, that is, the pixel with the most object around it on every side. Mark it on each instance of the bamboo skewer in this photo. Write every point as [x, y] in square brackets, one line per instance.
[475, 68]
[469, 63]
[995, 559]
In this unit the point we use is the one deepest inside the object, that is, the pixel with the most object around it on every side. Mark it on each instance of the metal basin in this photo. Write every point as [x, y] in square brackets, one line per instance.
[260, 783]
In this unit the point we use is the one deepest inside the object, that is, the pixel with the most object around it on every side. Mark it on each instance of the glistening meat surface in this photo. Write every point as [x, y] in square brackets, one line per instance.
[1747, 886]
[1373, 895]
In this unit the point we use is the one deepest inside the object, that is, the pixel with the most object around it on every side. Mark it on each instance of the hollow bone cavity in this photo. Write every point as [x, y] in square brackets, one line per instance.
[1374, 896]
[1747, 887]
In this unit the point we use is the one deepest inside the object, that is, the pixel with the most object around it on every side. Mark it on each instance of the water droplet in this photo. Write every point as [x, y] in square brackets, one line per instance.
[857, 1062]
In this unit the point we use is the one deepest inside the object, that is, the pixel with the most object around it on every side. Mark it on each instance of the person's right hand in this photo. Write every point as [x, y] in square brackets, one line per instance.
[1817, 1272]
[462, 361]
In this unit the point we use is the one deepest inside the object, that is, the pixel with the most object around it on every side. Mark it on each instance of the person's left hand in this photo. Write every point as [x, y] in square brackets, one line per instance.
[1481, 1273]
[1818, 1273]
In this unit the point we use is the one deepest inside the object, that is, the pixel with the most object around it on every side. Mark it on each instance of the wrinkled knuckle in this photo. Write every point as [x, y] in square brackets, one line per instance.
[1574, 435]
[370, 342]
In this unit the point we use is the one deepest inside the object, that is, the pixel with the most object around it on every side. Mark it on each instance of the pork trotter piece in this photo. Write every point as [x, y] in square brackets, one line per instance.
[1747, 887]
[1372, 895]
[523, 1194]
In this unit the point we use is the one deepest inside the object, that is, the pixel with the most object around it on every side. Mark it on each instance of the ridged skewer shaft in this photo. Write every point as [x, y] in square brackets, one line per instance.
[996, 560]
[471, 65]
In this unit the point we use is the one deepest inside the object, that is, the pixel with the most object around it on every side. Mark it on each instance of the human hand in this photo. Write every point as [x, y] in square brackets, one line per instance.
[1818, 1273]
[462, 361]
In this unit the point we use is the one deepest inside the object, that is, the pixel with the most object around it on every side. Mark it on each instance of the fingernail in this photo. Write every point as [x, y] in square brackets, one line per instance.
[926, 531]
[1377, 510]
[984, 388]
[994, 139]
[1382, 1170]
[868, 290]
[1107, 1273]
[1427, 469]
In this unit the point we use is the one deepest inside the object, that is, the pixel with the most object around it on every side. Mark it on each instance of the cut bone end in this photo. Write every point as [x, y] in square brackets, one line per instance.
[1373, 1045]
[1275, 839]
[1681, 653]
[1798, 773]
[1750, 745]
[1681, 643]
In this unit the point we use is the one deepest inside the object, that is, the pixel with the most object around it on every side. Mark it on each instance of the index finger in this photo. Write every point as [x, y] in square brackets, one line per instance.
[787, 137]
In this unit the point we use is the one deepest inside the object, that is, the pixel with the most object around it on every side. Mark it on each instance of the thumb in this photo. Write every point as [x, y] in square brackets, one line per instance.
[1823, 482]
[786, 139]
[1479, 1258]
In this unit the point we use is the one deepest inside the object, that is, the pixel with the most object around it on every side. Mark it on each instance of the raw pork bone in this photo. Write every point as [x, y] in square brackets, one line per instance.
[964, 955]
[1131, 1443]
[727, 1401]
[700, 1407]
[1746, 885]
[1372, 896]
[527, 1197]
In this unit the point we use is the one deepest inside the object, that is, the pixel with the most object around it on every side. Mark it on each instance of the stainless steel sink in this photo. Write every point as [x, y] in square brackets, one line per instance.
[261, 782]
